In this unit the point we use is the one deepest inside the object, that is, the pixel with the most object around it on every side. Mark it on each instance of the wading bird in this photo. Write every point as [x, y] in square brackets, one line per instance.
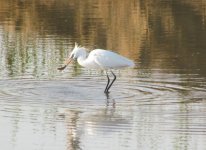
[99, 59]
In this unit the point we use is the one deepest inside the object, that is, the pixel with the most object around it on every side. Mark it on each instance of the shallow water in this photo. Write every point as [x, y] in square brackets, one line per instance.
[159, 104]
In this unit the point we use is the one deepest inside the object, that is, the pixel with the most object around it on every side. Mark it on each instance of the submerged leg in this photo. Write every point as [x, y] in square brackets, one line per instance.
[108, 81]
[111, 82]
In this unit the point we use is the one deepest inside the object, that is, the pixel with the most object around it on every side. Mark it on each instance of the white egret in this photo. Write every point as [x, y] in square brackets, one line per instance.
[99, 59]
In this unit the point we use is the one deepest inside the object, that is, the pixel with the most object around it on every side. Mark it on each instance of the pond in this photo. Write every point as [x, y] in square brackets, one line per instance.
[158, 104]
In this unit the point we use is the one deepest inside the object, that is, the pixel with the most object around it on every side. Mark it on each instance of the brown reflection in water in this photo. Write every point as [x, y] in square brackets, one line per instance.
[71, 118]
[176, 35]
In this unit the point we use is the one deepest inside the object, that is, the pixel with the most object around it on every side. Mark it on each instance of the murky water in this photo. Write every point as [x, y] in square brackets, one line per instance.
[159, 104]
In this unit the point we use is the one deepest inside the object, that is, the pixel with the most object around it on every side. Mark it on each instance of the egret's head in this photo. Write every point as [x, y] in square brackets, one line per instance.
[77, 52]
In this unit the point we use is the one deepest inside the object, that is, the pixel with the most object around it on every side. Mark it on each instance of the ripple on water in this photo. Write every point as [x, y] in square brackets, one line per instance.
[90, 91]
[53, 99]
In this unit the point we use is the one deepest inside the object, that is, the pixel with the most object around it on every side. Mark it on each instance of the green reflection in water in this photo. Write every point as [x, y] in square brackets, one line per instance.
[158, 34]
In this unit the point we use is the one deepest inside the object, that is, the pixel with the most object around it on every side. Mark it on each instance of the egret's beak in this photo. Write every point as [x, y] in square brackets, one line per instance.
[67, 62]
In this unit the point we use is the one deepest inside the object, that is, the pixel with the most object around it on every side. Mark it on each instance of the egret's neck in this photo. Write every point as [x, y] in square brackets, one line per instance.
[81, 59]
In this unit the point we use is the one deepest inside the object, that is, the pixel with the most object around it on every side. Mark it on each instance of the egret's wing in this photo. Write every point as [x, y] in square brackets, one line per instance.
[110, 60]
[103, 60]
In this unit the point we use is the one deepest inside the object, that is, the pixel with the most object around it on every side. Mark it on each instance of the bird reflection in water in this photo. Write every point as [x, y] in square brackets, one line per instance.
[110, 99]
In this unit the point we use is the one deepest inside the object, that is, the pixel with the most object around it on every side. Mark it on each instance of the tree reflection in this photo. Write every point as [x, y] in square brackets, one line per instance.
[158, 34]
[175, 37]
[73, 136]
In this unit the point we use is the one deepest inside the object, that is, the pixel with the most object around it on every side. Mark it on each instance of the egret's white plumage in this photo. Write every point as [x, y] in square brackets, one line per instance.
[99, 59]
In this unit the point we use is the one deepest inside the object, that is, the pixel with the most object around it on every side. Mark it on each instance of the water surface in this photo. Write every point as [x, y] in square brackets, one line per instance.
[159, 104]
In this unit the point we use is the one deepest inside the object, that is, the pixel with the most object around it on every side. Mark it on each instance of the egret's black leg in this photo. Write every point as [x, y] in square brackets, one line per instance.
[111, 82]
[108, 81]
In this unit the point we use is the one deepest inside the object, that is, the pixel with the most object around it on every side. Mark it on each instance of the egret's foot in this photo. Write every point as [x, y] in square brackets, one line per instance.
[62, 68]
